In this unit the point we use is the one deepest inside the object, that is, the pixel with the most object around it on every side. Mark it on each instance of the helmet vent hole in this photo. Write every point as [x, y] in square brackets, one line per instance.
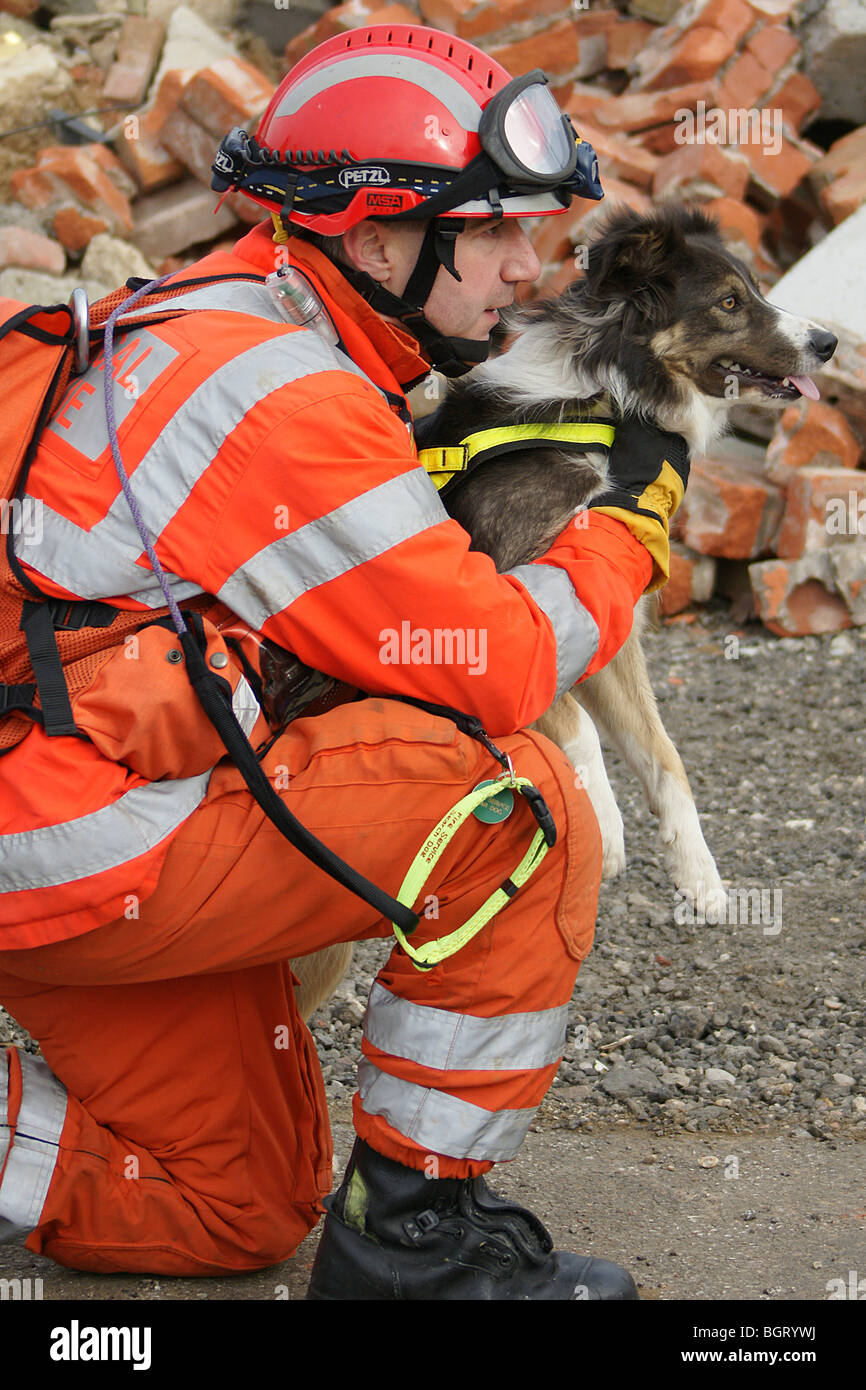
[469, 62]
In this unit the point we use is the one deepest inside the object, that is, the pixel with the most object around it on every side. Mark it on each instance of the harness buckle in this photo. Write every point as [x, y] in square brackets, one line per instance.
[70, 615]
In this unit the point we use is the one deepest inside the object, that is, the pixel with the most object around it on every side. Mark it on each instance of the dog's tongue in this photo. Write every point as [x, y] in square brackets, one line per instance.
[806, 386]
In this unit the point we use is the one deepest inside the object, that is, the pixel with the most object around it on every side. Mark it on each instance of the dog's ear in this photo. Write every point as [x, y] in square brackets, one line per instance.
[635, 253]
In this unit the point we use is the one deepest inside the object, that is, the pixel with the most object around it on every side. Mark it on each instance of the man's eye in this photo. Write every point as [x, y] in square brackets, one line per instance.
[729, 302]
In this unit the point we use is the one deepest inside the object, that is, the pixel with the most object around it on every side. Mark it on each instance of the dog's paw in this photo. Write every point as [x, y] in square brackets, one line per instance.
[691, 868]
[688, 861]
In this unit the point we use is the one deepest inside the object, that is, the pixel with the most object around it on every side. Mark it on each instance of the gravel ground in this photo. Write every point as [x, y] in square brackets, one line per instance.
[744, 1025]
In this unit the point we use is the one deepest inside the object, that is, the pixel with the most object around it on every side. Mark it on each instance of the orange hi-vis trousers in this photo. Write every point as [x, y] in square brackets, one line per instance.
[176, 1122]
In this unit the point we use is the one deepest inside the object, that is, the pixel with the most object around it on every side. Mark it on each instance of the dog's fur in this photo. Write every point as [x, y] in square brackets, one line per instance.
[665, 320]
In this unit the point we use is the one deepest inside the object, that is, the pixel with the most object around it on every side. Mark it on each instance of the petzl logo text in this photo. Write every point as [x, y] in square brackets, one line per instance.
[352, 178]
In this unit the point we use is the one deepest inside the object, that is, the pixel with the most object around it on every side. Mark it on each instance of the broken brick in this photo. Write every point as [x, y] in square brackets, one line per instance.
[138, 145]
[139, 45]
[19, 246]
[557, 49]
[730, 509]
[822, 506]
[773, 45]
[739, 222]
[639, 110]
[89, 176]
[776, 172]
[696, 56]
[796, 597]
[475, 19]
[228, 93]
[196, 147]
[702, 170]
[626, 40]
[692, 577]
[744, 83]
[178, 217]
[797, 98]
[75, 229]
[810, 434]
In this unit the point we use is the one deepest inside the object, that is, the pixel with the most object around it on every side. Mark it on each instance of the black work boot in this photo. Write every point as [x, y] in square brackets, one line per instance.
[392, 1233]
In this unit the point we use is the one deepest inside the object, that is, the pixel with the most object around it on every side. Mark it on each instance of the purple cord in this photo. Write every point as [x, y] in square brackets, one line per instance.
[123, 308]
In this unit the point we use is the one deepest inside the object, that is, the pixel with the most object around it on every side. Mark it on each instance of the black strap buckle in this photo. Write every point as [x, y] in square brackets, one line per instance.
[70, 615]
[16, 697]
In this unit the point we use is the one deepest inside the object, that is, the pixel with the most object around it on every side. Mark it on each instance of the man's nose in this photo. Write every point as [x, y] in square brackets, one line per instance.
[522, 262]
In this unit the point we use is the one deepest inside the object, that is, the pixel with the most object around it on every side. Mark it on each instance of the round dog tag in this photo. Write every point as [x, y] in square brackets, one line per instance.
[496, 808]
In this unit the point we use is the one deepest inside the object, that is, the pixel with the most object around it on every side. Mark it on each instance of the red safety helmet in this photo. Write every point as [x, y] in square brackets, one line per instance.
[401, 121]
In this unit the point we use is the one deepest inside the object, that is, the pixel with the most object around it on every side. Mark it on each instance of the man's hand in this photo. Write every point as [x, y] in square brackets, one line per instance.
[648, 472]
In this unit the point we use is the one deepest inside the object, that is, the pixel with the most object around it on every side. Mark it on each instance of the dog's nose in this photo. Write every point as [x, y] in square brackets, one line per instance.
[823, 344]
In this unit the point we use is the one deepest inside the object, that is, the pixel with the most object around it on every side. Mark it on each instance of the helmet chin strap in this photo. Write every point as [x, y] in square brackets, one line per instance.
[450, 356]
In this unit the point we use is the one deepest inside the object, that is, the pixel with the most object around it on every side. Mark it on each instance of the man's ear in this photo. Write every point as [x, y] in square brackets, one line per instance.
[368, 248]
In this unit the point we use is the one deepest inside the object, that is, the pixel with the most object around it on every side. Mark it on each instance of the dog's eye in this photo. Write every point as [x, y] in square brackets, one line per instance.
[729, 302]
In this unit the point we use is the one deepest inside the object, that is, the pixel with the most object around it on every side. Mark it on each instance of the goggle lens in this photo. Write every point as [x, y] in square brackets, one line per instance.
[535, 133]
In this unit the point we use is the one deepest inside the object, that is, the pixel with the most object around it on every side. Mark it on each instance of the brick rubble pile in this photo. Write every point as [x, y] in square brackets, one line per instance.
[704, 102]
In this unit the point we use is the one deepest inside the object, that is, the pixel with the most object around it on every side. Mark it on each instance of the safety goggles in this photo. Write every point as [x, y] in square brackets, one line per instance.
[527, 136]
[528, 147]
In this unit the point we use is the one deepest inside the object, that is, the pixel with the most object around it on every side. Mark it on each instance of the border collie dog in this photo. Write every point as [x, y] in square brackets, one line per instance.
[668, 326]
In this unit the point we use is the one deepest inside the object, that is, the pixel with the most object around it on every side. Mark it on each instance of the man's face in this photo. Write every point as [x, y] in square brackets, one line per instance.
[493, 258]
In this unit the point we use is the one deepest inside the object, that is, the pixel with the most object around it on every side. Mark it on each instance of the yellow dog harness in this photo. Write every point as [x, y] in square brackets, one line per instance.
[447, 464]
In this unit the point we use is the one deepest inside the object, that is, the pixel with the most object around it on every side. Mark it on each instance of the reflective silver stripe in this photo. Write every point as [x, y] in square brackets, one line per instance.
[101, 840]
[462, 1042]
[233, 296]
[392, 65]
[111, 836]
[100, 563]
[574, 627]
[35, 1143]
[440, 1122]
[361, 529]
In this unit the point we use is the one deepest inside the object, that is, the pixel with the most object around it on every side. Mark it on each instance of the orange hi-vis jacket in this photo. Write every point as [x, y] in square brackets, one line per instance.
[279, 475]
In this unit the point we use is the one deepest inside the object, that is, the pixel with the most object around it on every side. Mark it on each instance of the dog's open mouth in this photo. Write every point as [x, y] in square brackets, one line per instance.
[788, 388]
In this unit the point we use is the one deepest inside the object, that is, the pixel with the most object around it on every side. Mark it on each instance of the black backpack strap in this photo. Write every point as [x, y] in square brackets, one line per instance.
[215, 695]
[38, 628]
[39, 622]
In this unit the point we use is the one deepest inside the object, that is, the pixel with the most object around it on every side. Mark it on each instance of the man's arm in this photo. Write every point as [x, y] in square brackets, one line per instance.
[370, 580]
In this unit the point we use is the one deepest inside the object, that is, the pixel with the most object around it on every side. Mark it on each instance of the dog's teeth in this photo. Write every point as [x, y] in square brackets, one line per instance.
[786, 381]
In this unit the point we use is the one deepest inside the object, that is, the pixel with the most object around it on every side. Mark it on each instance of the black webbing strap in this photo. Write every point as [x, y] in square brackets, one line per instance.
[37, 625]
[214, 693]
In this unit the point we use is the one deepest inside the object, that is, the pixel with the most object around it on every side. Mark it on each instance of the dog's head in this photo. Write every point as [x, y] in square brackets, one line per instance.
[671, 323]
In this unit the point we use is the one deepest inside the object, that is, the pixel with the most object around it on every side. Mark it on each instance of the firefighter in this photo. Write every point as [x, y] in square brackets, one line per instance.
[176, 1120]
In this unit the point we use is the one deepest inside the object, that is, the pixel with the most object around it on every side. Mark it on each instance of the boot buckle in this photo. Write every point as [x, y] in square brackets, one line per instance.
[425, 1222]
